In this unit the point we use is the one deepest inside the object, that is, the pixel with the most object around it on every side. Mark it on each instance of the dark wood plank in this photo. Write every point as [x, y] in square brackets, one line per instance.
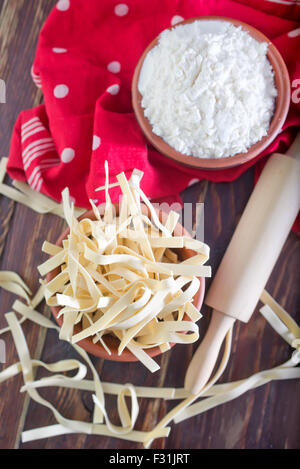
[20, 22]
[262, 418]
[5, 218]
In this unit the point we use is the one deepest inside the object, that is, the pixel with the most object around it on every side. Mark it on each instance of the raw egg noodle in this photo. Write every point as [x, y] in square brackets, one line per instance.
[118, 275]
[150, 283]
[22, 193]
[212, 394]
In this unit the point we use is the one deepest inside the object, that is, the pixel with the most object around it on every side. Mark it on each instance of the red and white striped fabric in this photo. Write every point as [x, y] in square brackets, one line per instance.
[36, 78]
[86, 55]
[38, 151]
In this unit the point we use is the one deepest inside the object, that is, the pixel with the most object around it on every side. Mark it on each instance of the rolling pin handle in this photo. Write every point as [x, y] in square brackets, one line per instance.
[205, 357]
[250, 257]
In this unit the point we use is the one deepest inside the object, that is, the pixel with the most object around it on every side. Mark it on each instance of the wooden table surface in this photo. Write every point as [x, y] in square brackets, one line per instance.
[267, 417]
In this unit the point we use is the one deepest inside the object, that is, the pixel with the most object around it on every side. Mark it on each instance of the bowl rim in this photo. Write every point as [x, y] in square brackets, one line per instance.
[97, 349]
[282, 84]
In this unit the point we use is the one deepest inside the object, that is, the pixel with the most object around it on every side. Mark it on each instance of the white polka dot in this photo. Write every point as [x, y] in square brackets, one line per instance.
[113, 89]
[59, 50]
[121, 9]
[96, 142]
[63, 5]
[294, 33]
[114, 67]
[61, 91]
[176, 19]
[67, 155]
[193, 181]
[72, 199]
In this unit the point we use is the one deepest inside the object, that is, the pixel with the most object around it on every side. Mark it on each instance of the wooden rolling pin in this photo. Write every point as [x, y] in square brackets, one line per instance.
[249, 258]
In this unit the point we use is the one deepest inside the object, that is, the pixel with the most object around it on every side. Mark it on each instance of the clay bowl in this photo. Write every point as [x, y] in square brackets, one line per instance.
[112, 342]
[282, 84]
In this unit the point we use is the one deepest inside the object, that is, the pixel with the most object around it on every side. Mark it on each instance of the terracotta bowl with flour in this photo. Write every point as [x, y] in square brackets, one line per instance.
[282, 84]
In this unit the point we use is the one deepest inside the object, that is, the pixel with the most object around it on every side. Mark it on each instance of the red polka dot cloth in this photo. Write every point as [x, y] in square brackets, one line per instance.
[86, 55]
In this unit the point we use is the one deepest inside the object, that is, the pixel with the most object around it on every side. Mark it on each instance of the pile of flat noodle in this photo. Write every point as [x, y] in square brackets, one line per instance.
[118, 275]
[212, 394]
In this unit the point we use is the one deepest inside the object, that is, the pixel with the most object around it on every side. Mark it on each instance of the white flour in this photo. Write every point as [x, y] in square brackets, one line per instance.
[208, 89]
